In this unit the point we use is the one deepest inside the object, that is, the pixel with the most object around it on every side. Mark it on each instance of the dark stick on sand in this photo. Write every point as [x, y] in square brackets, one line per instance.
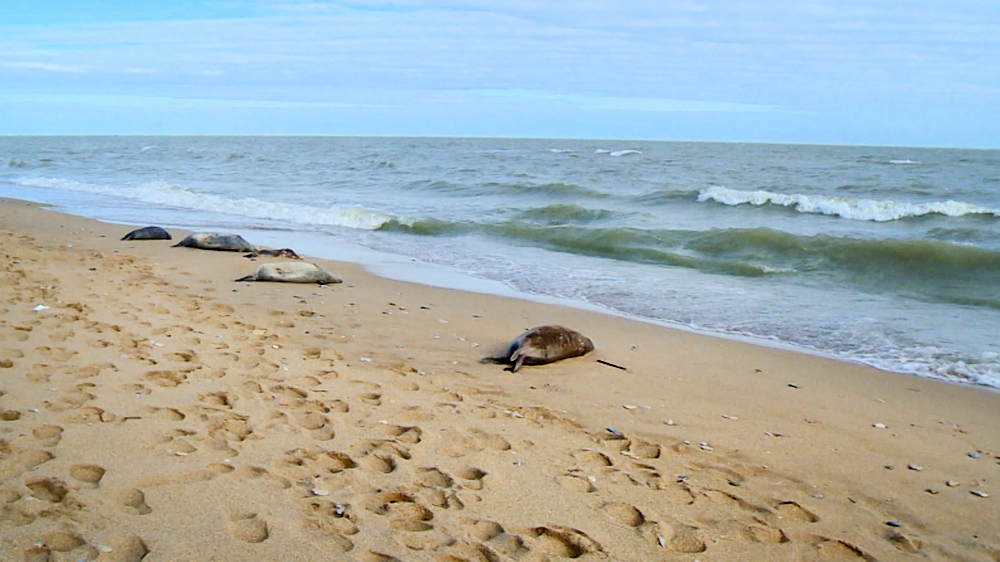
[603, 362]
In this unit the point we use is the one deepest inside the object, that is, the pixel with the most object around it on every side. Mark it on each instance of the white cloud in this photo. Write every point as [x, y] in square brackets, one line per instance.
[46, 66]
[624, 103]
[827, 57]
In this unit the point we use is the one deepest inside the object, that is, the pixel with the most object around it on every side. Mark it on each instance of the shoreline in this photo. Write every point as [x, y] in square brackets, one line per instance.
[402, 268]
[227, 406]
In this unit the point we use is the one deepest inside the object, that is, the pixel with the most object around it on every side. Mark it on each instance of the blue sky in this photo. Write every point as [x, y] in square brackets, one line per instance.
[885, 72]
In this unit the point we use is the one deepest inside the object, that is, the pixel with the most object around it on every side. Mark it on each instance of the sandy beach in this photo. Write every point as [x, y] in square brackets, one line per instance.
[151, 408]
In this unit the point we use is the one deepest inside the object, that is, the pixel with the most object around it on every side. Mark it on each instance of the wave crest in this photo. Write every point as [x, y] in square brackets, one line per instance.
[844, 207]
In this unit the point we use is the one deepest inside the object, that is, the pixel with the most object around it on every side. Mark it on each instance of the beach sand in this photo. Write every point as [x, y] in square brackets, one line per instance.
[155, 409]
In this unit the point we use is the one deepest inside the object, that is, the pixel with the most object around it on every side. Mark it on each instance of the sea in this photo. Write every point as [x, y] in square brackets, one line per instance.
[886, 256]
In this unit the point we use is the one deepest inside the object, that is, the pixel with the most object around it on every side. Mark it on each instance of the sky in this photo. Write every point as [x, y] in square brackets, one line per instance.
[869, 72]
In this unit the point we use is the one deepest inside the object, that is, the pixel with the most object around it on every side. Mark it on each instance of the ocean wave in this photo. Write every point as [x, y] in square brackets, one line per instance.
[556, 189]
[930, 270]
[178, 197]
[617, 153]
[665, 196]
[571, 213]
[844, 207]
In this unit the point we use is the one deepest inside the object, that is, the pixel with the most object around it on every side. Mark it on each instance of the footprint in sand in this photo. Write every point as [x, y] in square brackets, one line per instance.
[792, 510]
[461, 442]
[48, 489]
[87, 473]
[61, 541]
[562, 542]
[247, 527]
[491, 538]
[410, 435]
[167, 379]
[472, 476]
[32, 458]
[680, 537]
[837, 549]
[624, 514]
[318, 425]
[124, 548]
[576, 483]
[10, 415]
[592, 459]
[372, 556]
[133, 501]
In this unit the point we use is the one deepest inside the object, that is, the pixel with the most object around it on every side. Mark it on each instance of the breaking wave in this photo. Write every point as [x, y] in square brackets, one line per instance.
[844, 207]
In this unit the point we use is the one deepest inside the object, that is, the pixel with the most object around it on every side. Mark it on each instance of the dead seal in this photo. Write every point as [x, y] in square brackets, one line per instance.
[279, 253]
[293, 272]
[541, 345]
[216, 241]
[148, 233]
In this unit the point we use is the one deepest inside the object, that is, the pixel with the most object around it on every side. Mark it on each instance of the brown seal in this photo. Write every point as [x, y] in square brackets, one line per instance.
[541, 345]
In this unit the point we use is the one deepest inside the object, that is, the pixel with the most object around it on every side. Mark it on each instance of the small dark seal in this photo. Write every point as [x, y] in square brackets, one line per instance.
[293, 272]
[148, 233]
[541, 345]
[279, 253]
[216, 241]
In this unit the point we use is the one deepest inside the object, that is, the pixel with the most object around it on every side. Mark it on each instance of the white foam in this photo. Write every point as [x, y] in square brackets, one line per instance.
[846, 207]
[164, 194]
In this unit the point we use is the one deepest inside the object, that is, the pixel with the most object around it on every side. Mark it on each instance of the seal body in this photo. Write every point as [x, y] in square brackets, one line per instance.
[216, 241]
[293, 272]
[541, 345]
[148, 233]
[279, 253]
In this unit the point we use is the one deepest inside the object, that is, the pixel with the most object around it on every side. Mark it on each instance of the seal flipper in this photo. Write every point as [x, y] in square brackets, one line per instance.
[517, 358]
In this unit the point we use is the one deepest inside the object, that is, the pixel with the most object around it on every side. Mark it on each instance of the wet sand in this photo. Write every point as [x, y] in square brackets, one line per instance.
[152, 408]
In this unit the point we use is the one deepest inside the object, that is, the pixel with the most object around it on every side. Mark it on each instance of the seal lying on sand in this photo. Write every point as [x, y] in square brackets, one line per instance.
[293, 273]
[148, 233]
[216, 241]
[279, 253]
[541, 345]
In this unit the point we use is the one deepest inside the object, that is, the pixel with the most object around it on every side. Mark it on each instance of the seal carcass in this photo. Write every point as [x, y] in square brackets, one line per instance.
[541, 345]
[148, 233]
[216, 241]
[293, 272]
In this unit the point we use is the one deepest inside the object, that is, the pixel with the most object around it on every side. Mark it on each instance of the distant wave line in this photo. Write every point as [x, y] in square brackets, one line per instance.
[169, 195]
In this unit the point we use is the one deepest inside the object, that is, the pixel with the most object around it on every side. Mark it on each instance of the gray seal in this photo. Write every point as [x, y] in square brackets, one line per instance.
[216, 241]
[541, 345]
[293, 272]
[148, 233]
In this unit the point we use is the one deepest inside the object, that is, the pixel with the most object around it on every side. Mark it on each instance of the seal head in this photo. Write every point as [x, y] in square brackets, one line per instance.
[541, 345]
[148, 233]
[293, 272]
